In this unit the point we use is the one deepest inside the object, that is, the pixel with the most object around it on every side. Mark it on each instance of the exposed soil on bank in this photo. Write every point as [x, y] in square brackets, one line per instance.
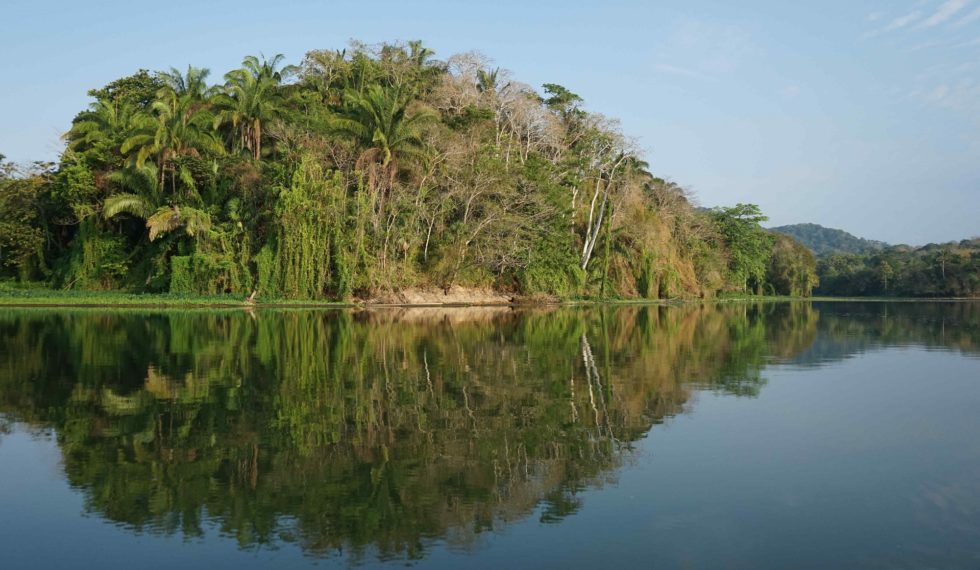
[454, 295]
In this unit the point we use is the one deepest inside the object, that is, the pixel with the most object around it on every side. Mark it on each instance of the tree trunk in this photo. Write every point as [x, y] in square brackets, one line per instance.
[592, 231]
[257, 136]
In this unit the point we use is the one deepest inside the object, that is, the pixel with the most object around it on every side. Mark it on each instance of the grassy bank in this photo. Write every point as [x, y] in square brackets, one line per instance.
[28, 297]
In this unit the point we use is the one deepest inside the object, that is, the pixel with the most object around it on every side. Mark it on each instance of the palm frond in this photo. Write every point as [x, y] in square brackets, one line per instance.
[194, 221]
[165, 219]
[126, 203]
[169, 218]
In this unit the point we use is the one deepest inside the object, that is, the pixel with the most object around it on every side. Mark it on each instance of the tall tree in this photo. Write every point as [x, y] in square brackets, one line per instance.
[251, 99]
[748, 244]
[387, 131]
[101, 130]
[179, 125]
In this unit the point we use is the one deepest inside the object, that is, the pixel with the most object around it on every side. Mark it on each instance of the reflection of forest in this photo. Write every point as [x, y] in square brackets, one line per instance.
[851, 328]
[376, 431]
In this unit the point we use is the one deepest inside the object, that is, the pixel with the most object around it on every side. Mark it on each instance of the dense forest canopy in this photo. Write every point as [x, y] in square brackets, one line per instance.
[364, 171]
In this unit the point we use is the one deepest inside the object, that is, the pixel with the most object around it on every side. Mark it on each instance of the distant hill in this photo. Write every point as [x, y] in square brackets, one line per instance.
[823, 240]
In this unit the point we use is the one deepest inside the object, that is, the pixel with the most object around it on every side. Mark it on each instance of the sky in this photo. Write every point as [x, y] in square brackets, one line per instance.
[862, 115]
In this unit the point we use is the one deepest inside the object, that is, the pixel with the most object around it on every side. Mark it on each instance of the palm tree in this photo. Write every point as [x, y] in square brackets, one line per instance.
[252, 98]
[104, 123]
[142, 196]
[423, 66]
[382, 124]
[419, 54]
[406, 66]
[193, 84]
[170, 218]
[179, 125]
[145, 202]
[487, 81]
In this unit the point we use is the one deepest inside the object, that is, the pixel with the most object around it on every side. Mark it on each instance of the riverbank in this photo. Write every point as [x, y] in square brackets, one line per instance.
[454, 297]
[31, 297]
[13, 296]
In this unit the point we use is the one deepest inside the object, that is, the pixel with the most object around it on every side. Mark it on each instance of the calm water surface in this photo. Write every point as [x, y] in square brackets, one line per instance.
[744, 435]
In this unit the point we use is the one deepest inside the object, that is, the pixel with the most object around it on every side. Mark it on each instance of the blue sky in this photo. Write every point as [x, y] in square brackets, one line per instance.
[861, 115]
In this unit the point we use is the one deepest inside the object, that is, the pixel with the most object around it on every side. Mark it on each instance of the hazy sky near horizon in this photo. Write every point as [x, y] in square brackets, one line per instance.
[862, 115]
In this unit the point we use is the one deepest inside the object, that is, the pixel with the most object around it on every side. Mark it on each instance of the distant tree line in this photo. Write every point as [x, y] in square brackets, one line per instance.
[935, 270]
[366, 170]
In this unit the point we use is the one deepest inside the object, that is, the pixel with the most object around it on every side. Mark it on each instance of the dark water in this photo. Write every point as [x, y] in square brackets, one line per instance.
[744, 435]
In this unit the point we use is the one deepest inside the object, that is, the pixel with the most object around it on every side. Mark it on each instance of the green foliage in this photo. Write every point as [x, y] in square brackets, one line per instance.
[748, 245]
[551, 270]
[206, 274]
[362, 173]
[310, 257]
[22, 236]
[97, 260]
[126, 203]
[75, 186]
[267, 270]
[251, 100]
[182, 279]
[792, 268]
[563, 101]
[167, 219]
[137, 90]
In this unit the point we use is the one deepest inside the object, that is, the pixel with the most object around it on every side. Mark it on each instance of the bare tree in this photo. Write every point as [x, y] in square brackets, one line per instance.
[607, 151]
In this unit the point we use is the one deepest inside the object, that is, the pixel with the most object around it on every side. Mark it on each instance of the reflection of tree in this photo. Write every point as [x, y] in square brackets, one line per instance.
[5, 426]
[846, 329]
[368, 431]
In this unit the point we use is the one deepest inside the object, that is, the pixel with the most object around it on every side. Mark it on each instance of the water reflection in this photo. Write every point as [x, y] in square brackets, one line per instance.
[377, 432]
[853, 328]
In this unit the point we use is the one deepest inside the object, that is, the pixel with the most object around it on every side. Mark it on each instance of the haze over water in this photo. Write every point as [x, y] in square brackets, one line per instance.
[740, 435]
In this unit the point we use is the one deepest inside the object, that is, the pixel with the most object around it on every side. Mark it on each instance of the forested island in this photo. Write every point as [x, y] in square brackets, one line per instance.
[366, 172]
[363, 172]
